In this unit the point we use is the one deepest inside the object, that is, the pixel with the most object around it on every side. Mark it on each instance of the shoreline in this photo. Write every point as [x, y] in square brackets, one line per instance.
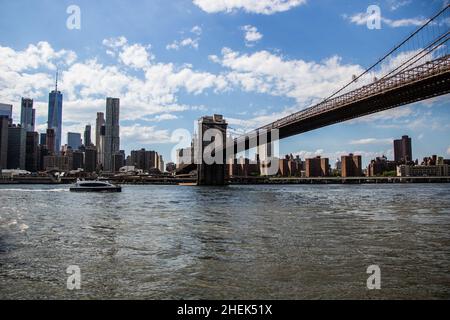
[234, 180]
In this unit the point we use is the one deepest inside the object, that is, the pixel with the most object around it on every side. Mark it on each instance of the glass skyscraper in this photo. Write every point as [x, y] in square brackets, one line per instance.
[27, 115]
[55, 104]
[6, 110]
[74, 140]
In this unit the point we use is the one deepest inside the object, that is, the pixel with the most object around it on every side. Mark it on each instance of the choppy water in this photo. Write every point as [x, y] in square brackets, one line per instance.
[246, 242]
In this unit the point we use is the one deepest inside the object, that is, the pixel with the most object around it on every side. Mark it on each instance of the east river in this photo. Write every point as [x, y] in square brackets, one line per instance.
[236, 242]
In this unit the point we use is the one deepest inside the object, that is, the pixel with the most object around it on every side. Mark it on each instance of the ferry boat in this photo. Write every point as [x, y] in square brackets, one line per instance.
[94, 186]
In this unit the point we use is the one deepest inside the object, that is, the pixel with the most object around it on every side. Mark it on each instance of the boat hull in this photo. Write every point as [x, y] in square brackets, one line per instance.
[102, 189]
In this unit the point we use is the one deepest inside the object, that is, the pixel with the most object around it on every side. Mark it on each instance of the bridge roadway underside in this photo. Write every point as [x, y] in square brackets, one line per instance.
[413, 92]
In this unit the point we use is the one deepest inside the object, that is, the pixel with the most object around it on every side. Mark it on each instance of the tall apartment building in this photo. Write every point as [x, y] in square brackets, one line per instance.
[351, 166]
[112, 133]
[403, 150]
[317, 167]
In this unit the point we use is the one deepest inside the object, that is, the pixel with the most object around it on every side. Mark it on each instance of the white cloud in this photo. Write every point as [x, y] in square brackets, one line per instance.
[372, 141]
[252, 6]
[268, 73]
[362, 18]
[115, 42]
[144, 135]
[135, 56]
[187, 42]
[86, 83]
[396, 4]
[162, 117]
[251, 35]
[196, 30]
[448, 151]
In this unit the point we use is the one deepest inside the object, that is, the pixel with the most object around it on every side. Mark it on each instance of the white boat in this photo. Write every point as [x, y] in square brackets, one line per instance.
[95, 186]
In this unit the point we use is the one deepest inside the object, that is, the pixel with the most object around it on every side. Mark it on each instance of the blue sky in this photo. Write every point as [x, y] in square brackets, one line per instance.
[171, 62]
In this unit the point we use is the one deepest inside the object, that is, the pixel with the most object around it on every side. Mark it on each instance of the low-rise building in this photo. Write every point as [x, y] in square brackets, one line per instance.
[423, 171]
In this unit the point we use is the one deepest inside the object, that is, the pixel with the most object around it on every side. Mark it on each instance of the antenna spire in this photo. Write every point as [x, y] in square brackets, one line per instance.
[56, 82]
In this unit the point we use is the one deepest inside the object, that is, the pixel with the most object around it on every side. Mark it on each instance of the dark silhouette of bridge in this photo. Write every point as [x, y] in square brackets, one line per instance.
[416, 69]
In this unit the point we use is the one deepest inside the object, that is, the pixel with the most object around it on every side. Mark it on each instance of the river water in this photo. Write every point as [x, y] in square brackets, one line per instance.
[236, 242]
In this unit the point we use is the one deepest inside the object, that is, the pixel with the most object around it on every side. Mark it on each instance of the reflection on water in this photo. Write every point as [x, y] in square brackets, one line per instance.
[281, 242]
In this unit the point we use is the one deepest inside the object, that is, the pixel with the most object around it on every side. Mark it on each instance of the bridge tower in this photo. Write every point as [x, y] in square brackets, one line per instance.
[211, 174]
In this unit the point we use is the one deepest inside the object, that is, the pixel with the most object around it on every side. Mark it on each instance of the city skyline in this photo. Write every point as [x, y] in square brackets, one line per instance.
[165, 83]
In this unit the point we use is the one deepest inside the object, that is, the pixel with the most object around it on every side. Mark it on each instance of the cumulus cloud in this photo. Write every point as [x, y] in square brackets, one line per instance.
[305, 81]
[192, 42]
[253, 6]
[448, 151]
[188, 42]
[86, 83]
[251, 35]
[144, 134]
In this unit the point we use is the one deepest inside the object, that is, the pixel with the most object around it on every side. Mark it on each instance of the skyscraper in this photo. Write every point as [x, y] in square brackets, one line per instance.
[74, 140]
[55, 104]
[351, 166]
[112, 131]
[32, 152]
[50, 142]
[43, 139]
[4, 122]
[27, 115]
[403, 150]
[99, 137]
[6, 110]
[16, 147]
[87, 136]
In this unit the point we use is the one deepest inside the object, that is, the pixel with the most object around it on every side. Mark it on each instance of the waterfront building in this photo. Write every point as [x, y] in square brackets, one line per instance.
[74, 140]
[17, 137]
[118, 161]
[185, 156]
[112, 133]
[144, 160]
[351, 166]
[423, 170]
[171, 167]
[283, 167]
[161, 164]
[379, 166]
[43, 152]
[61, 163]
[403, 150]
[87, 135]
[77, 159]
[317, 167]
[27, 115]
[4, 124]
[90, 159]
[243, 167]
[32, 152]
